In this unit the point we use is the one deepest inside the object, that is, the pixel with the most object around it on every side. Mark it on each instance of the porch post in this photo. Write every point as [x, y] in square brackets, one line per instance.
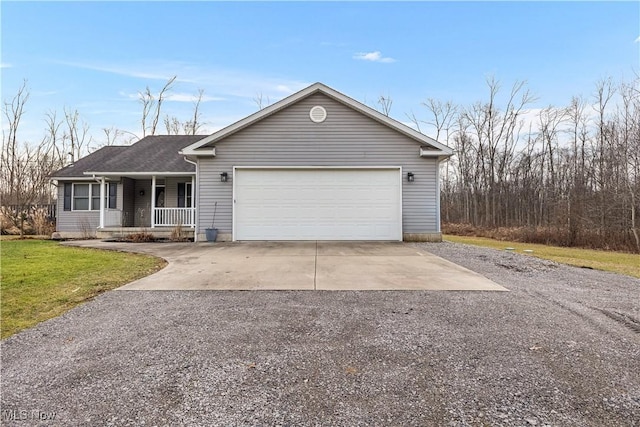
[102, 204]
[153, 201]
[193, 201]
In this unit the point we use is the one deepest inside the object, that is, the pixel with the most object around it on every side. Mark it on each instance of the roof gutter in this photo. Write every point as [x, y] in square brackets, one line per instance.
[71, 178]
[186, 159]
[90, 173]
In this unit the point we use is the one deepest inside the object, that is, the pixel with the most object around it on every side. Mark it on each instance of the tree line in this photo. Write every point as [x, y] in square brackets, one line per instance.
[566, 175]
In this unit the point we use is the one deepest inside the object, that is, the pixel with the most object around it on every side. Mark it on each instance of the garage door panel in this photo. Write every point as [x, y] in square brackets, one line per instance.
[317, 204]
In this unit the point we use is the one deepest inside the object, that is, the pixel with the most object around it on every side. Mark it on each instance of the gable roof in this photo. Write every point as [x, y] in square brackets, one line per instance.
[439, 150]
[157, 154]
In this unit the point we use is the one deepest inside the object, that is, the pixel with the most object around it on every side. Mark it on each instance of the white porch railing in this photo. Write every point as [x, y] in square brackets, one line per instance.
[163, 217]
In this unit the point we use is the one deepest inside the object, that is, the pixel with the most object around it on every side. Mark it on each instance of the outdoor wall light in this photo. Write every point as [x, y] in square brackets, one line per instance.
[410, 176]
[141, 193]
[223, 177]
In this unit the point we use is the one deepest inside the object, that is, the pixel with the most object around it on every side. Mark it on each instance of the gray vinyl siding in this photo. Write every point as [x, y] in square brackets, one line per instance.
[345, 138]
[84, 221]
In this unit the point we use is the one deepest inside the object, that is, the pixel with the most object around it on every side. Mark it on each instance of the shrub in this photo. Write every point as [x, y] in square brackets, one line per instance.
[177, 234]
[142, 237]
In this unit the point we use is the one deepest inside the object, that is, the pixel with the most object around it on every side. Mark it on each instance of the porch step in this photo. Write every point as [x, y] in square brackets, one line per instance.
[157, 232]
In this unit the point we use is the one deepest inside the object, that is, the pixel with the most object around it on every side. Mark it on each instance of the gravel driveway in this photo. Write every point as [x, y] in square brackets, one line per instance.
[562, 348]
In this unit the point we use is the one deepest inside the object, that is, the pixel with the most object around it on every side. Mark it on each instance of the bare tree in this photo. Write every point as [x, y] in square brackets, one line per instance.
[115, 136]
[443, 115]
[628, 144]
[385, 103]
[549, 121]
[172, 125]
[605, 91]
[442, 118]
[414, 119]
[152, 107]
[260, 101]
[576, 195]
[496, 132]
[24, 169]
[147, 100]
[52, 134]
[76, 135]
[193, 126]
[13, 112]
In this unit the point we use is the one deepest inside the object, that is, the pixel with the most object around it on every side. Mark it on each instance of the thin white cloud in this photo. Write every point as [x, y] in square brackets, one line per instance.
[638, 40]
[375, 56]
[5, 65]
[221, 81]
[46, 93]
[284, 88]
[176, 97]
[123, 71]
[189, 97]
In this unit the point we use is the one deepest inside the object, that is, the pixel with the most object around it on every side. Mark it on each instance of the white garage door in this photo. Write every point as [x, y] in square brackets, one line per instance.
[317, 204]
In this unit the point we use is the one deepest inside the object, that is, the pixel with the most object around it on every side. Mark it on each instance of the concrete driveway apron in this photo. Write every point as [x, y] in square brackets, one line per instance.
[299, 266]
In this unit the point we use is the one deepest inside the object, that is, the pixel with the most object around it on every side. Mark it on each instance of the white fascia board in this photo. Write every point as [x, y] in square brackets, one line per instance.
[139, 173]
[188, 151]
[71, 178]
[435, 153]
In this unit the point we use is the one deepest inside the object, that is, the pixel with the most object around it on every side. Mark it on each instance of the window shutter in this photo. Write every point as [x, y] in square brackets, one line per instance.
[67, 196]
[113, 193]
[181, 195]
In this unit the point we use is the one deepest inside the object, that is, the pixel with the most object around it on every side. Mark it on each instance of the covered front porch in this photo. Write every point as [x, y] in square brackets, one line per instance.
[143, 201]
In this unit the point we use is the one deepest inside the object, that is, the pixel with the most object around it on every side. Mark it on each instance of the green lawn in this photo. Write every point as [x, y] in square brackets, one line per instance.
[41, 279]
[617, 262]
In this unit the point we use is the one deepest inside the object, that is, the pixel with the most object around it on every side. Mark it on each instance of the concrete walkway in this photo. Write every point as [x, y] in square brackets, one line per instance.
[299, 266]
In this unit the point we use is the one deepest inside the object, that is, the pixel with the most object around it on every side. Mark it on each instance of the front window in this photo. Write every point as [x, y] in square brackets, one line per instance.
[95, 197]
[188, 195]
[184, 195]
[81, 197]
[86, 197]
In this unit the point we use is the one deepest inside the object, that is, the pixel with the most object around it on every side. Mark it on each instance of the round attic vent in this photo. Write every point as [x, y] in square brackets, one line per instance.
[318, 114]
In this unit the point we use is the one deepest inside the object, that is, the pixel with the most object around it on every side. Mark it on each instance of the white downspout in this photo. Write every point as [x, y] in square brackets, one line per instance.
[438, 195]
[193, 199]
[153, 201]
[102, 204]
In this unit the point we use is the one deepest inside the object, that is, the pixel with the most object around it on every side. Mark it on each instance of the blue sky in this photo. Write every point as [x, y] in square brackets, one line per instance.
[96, 56]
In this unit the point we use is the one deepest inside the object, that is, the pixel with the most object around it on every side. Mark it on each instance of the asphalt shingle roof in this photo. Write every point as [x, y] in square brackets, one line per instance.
[150, 154]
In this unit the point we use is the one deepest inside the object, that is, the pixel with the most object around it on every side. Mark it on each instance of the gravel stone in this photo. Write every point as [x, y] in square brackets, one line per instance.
[562, 348]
